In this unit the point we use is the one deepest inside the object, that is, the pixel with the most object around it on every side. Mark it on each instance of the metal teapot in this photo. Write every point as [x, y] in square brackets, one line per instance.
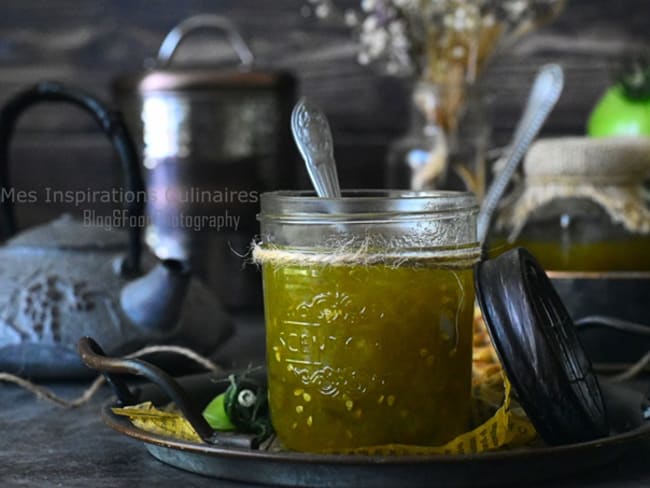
[64, 280]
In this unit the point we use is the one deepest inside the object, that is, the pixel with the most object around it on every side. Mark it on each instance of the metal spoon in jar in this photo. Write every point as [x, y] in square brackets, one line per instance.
[313, 137]
[544, 95]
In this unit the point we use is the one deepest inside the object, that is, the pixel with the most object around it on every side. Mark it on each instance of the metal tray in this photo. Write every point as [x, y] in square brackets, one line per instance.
[314, 470]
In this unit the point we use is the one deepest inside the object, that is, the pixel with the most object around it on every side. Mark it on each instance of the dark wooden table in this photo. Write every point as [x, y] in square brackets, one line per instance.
[43, 445]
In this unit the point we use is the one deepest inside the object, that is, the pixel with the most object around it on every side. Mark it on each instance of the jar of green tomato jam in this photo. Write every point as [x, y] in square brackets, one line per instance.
[582, 205]
[369, 306]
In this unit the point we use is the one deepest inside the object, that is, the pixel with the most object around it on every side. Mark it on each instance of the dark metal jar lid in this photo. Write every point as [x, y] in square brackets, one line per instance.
[539, 349]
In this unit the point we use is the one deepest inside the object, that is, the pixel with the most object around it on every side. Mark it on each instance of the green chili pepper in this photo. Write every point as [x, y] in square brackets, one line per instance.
[215, 414]
[242, 407]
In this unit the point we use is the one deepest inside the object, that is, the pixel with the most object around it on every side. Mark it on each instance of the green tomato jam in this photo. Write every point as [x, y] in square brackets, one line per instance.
[362, 355]
[612, 255]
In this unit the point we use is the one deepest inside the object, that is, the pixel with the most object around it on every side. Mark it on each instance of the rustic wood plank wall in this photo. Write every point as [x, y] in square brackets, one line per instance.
[88, 42]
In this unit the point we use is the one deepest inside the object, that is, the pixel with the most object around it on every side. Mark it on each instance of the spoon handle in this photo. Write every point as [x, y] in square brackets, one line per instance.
[544, 95]
[313, 137]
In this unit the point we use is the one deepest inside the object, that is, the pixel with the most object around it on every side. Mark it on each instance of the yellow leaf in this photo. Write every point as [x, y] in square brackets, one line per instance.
[167, 421]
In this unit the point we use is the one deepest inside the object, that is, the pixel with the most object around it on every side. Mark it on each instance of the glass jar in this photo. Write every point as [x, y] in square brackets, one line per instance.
[582, 205]
[449, 129]
[369, 305]
[578, 235]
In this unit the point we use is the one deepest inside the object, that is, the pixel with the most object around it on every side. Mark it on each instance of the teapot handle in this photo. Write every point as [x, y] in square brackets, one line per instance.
[111, 124]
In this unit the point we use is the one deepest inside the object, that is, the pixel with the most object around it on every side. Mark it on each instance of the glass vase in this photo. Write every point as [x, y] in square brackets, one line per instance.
[447, 141]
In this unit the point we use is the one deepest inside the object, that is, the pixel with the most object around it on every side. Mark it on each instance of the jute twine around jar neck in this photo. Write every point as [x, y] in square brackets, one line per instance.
[362, 254]
[609, 172]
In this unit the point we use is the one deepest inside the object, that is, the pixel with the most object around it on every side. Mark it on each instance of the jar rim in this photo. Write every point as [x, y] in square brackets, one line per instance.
[366, 202]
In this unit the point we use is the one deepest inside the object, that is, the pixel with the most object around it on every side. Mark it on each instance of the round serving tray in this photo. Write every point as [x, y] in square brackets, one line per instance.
[316, 470]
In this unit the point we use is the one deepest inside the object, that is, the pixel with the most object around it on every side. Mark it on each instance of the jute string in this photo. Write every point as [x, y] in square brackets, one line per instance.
[48, 395]
[361, 255]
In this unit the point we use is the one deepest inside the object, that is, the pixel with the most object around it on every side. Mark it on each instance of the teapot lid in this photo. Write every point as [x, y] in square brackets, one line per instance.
[69, 233]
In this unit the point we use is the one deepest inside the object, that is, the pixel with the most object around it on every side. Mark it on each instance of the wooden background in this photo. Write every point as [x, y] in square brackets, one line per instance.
[87, 43]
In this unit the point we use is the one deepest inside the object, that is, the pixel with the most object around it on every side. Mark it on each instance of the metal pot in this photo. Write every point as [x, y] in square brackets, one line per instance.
[212, 140]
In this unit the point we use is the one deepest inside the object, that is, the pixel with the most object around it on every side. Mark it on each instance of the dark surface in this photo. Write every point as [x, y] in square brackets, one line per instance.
[44, 445]
[622, 295]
